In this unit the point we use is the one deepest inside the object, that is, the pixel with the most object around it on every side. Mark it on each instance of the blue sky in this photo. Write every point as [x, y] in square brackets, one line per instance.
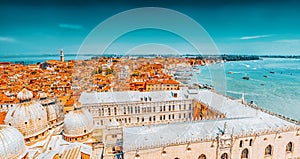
[237, 27]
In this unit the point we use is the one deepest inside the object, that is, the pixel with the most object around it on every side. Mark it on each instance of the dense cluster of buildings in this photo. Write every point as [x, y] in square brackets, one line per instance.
[152, 77]
[51, 77]
[183, 123]
[116, 108]
[61, 79]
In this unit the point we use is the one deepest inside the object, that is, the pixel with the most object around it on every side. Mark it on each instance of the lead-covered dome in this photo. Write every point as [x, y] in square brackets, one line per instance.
[78, 123]
[25, 95]
[52, 109]
[43, 95]
[29, 116]
[12, 144]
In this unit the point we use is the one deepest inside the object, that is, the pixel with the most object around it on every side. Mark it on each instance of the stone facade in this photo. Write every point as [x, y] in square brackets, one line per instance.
[141, 113]
[147, 111]
[282, 144]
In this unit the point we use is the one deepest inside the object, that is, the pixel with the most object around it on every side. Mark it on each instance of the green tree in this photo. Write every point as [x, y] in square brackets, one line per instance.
[99, 71]
[135, 74]
[109, 71]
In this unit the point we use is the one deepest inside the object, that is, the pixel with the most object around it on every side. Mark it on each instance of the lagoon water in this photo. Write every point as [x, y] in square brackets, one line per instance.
[29, 58]
[274, 83]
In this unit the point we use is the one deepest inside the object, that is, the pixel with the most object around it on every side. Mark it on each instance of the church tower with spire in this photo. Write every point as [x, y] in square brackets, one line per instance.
[62, 57]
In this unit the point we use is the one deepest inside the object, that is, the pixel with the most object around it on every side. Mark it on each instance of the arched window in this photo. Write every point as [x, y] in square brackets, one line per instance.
[109, 111]
[224, 156]
[250, 142]
[268, 150]
[241, 143]
[245, 153]
[202, 156]
[289, 147]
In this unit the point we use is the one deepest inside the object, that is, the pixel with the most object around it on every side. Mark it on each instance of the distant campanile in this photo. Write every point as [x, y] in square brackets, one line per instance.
[62, 58]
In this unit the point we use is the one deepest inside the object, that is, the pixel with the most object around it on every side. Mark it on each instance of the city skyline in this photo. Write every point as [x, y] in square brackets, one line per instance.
[150, 79]
[256, 27]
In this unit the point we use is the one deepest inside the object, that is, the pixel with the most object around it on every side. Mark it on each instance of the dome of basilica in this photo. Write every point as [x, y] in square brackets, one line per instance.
[25, 95]
[12, 144]
[43, 95]
[29, 116]
[78, 123]
[52, 108]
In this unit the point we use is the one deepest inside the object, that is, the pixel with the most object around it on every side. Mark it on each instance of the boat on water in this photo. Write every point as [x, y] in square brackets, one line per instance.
[182, 78]
[203, 86]
[185, 74]
[198, 85]
[246, 77]
[230, 72]
[208, 86]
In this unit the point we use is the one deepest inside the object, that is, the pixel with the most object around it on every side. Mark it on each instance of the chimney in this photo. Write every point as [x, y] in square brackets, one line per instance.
[186, 96]
[175, 95]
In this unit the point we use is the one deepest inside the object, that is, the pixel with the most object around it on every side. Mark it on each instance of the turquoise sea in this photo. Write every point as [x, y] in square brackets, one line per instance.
[274, 83]
[30, 58]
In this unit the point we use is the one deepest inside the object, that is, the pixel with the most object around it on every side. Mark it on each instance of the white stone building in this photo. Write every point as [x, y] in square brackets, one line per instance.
[133, 108]
[246, 133]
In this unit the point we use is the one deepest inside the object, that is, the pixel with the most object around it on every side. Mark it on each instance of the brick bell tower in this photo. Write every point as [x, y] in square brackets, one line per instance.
[62, 57]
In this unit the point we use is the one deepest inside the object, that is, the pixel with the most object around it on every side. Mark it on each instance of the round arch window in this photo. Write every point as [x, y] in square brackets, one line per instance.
[224, 156]
[268, 150]
[289, 147]
[245, 153]
[202, 156]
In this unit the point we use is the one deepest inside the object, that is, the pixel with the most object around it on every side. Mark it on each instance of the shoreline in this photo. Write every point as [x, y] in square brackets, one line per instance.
[262, 83]
[260, 108]
[28, 59]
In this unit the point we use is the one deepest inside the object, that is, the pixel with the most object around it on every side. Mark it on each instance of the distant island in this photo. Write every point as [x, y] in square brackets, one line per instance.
[281, 56]
[36, 59]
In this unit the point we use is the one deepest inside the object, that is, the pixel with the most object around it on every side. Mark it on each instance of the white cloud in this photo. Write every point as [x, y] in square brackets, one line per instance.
[254, 37]
[71, 26]
[7, 39]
